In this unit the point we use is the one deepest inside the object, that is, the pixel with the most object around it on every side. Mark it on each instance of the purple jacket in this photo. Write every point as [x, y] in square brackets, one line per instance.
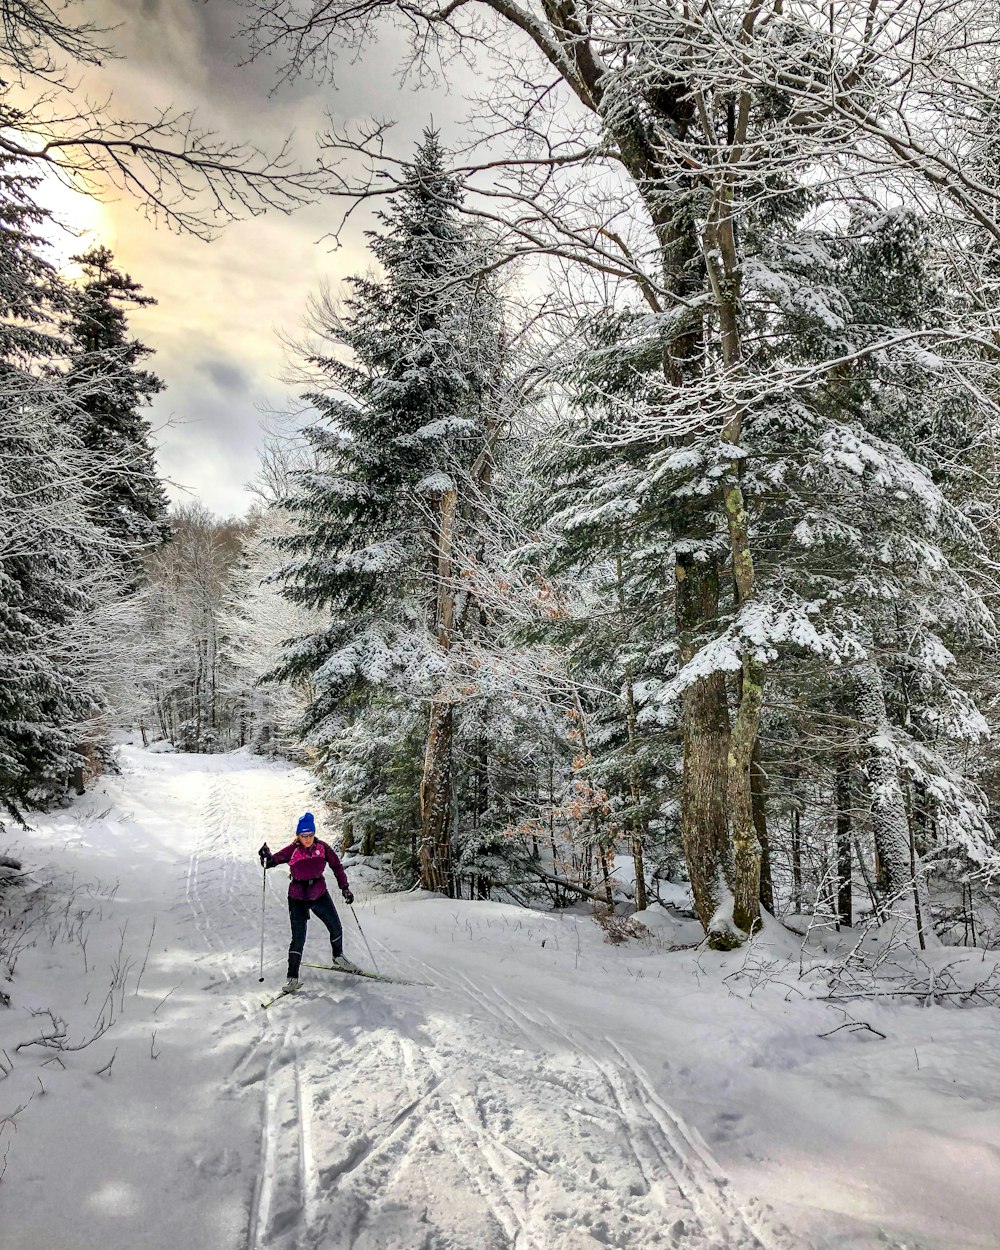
[307, 866]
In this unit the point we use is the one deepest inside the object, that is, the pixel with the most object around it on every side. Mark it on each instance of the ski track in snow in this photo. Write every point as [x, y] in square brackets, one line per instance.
[546, 1141]
[285, 1195]
[439, 1117]
[676, 1169]
[426, 1133]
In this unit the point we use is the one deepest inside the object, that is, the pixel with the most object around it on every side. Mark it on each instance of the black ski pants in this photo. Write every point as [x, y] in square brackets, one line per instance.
[298, 913]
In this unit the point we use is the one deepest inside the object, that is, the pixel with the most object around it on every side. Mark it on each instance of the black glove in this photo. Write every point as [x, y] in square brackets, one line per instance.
[265, 855]
[348, 897]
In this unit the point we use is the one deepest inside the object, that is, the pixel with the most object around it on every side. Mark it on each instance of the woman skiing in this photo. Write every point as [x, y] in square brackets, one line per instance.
[307, 858]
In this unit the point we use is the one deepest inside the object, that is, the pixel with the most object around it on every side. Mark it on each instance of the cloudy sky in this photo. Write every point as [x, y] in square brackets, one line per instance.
[224, 305]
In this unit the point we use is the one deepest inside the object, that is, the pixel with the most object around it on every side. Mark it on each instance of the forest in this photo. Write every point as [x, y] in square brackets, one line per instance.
[498, 526]
[642, 531]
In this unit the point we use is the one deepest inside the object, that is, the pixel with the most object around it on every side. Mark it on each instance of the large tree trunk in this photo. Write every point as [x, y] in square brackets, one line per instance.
[888, 808]
[746, 846]
[705, 707]
[704, 827]
[722, 265]
[716, 784]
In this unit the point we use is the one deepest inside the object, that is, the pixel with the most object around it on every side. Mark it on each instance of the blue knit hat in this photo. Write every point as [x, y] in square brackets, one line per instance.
[306, 824]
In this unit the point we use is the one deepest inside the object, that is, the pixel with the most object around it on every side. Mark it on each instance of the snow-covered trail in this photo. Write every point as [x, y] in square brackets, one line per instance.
[527, 1094]
[156, 1151]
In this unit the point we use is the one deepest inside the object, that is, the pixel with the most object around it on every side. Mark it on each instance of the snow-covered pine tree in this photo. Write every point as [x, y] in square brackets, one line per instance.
[43, 523]
[403, 445]
[856, 476]
[108, 390]
[606, 525]
[868, 559]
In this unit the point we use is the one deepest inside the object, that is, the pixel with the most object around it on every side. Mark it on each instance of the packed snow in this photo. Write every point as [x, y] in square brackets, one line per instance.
[531, 1086]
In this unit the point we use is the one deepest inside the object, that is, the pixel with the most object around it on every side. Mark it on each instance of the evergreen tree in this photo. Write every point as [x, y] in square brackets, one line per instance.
[79, 501]
[108, 390]
[867, 559]
[402, 445]
[609, 526]
[42, 521]
[860, 482]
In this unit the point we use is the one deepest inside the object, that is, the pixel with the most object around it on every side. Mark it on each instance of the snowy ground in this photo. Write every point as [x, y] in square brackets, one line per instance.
[541, 1090]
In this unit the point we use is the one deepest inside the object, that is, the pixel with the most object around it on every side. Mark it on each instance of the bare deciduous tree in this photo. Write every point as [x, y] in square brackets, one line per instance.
[179, 172]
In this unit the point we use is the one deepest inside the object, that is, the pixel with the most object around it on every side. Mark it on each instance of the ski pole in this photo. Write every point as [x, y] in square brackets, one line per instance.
[263, 905]
[363, 938]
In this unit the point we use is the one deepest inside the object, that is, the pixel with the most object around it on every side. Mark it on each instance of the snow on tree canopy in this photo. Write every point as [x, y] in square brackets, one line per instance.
[437, 483]
[881, 463]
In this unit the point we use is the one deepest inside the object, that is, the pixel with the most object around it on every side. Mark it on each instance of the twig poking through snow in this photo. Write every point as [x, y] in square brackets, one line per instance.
[164, 999]
[145, 960]
[854, 1026]
[106, 1070]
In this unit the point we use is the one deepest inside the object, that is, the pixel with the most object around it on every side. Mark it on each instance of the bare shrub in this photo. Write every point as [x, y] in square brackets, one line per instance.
[619, 928]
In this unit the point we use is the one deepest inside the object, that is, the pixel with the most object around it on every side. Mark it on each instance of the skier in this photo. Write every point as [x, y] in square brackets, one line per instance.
[307, 858]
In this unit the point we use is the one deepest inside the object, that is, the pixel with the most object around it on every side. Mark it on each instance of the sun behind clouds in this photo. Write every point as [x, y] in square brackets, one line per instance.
[78, 221]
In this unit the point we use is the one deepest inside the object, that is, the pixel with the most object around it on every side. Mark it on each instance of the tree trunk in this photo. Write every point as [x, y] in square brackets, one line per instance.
[213, 664]
[888, 809]
[597, 846]
[704, 828]
[758, 784]
[845, 866]
[435, 803]
[796, 840]
[746, 847]
[917, 910]
[705, 708]
[638, 824]
[435, 786]
[715, 780]
[722, 266]
[552, 821]
[922, 829]
[197, 696]
[609, 897]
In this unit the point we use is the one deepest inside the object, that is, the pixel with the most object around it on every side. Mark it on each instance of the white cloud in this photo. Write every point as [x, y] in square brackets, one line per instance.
[229, 301]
